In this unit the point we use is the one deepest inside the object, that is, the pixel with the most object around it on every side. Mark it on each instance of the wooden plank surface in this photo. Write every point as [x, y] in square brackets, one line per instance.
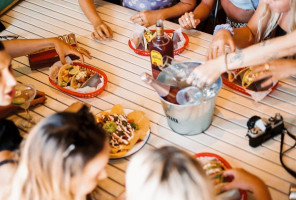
[226, 135]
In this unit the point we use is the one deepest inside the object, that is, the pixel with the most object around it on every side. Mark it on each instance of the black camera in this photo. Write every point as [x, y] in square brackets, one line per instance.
[261, 130]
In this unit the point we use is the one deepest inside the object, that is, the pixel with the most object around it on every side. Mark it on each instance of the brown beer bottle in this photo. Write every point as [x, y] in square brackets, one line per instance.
[167, 92]
[160, 46]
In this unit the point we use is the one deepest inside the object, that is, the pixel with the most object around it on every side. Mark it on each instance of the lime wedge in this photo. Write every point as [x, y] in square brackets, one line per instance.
[74, 70]
[18, 101]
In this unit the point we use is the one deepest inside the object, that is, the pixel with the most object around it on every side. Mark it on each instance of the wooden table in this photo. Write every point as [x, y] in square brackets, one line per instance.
[226, 135]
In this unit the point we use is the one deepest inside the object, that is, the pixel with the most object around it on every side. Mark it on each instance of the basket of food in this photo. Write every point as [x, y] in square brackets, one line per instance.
[214, 166]
[78, 79]
[127, 129]
[142, 36]
[242, 81]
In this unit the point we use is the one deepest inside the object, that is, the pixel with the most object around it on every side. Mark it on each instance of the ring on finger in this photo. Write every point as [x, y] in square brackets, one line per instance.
[187, 19]
[78, 49]
[266, 66]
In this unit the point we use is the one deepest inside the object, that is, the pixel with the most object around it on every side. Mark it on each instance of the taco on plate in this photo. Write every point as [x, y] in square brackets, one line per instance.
[124, 131]
[80, 78]
[66, 73]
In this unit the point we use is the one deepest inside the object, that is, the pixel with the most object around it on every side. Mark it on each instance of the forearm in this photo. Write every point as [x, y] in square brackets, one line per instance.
[89, 9]
[16, 48]
[260, 190]
[6, 110]
[263, 52]
[177, 10]
[203, 10]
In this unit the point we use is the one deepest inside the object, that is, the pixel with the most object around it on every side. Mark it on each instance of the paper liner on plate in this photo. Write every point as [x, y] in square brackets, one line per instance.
[176, 51]
[86, 92]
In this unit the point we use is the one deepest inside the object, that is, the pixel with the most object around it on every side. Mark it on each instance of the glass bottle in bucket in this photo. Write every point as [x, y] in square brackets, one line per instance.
[176, 73]
[160, 46]
[173, 94]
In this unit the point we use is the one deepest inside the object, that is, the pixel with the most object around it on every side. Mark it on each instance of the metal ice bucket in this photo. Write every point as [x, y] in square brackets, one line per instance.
[189, 119]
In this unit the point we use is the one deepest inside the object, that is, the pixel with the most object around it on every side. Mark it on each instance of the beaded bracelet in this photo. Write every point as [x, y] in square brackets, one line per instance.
[224, 26]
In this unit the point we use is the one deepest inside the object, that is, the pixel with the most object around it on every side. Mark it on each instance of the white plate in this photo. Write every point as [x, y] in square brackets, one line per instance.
[138, 145]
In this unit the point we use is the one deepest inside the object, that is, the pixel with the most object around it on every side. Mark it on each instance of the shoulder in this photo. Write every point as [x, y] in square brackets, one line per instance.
[7, 170]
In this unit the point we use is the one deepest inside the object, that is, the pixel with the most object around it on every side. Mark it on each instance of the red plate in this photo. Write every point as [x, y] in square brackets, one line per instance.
[147, 53]
[84, 95]
[243, 193]
[239, 88]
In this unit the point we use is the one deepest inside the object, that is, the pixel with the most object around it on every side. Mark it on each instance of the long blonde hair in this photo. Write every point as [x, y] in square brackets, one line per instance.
[264, 31]
[56, 149]
[166, 174]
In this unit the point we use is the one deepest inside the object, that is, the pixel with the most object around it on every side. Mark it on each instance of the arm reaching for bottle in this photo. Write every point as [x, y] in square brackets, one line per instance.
[101, 30]
[246, 181]
[254, 55]
[16, 48]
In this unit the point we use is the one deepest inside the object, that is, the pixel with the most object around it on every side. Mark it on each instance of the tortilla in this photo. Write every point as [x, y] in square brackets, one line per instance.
[64, 76]
[80, 78]
[135, 118]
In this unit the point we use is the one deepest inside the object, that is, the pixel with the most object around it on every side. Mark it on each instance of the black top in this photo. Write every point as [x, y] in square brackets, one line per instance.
[279, 31]
[10, 137]
[6, 162]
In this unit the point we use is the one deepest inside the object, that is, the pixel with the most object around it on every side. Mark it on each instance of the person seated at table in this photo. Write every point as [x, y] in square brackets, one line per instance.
[14, 48]
[238, 12]
[150, 12]
[263, 57]
[101, 30]
[272, 18]
[171, 174]
[63, 157]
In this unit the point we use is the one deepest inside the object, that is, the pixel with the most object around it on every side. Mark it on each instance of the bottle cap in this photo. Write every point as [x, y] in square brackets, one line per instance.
[159, 23]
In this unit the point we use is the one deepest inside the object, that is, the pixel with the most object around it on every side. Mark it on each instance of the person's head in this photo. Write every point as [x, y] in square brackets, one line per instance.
[166, 174]
[63, 157]
[274, 10]
[7, 80]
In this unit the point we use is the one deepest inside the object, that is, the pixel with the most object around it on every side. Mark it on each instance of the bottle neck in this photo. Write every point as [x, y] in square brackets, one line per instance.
[159, 31]
[162, 89]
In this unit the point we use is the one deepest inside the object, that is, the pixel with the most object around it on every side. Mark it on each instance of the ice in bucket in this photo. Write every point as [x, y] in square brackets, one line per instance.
[194, 116]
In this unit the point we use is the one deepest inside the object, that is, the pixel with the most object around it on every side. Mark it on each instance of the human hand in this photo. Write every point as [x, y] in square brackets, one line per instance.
[39, 98]
[188, 21]
[102, 31]
[207, 73]
[273, 71]
[221, 39]
[146, 17]
[64, 49]
[241, 179]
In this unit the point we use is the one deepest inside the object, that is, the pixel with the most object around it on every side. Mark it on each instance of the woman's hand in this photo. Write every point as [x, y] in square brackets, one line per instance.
[102, 31]
[188, 21]
[146, 17]
[39, 98]
[244, 180]
[221, 39]
[64, 49]
[274, 71]
[207, 73]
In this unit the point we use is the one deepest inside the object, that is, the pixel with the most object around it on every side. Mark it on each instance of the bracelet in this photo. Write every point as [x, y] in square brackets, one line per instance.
[226, 65]
[224, 26]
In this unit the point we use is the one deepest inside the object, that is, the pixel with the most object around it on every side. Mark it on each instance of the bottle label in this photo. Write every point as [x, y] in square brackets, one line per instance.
[156, 58]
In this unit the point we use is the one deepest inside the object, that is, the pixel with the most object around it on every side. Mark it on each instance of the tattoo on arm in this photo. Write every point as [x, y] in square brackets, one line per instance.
[238, 57]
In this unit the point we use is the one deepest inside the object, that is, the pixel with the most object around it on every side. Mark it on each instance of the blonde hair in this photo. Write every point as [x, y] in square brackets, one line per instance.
[264, 31]
[166, 174]
[47, 163]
